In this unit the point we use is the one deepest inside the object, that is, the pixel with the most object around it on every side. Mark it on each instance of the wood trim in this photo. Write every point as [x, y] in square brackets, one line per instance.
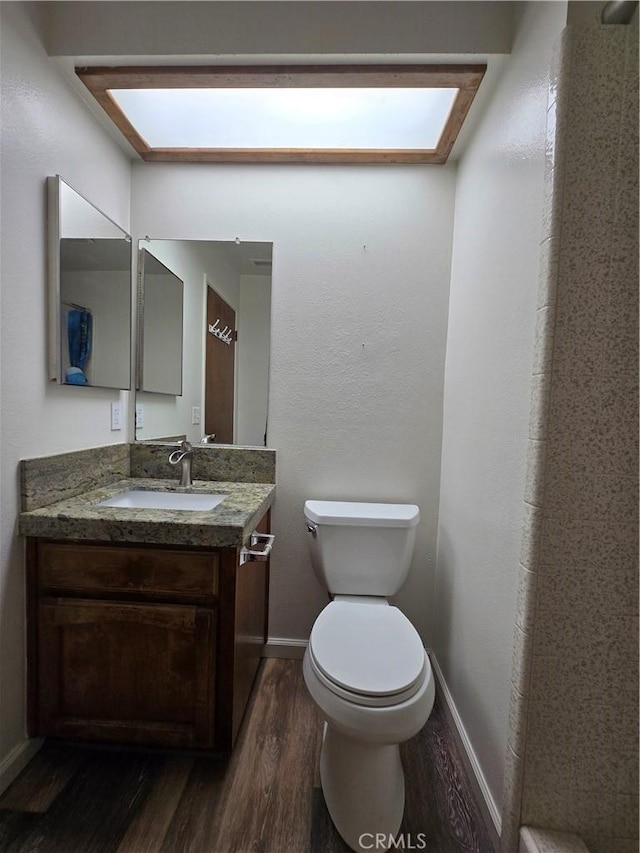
[466, 78]
[226, 649]
[204, 721]
[123, 124]
[48, 698]
[293, 155]
[98, 79]
[264, 526]
[452, 128]
[31, 561]
[249, 635]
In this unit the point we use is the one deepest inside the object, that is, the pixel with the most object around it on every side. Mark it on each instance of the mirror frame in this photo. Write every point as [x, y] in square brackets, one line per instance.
[54, 235]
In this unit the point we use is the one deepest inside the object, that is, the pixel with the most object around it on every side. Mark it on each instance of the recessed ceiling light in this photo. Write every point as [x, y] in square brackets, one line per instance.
[373, 114]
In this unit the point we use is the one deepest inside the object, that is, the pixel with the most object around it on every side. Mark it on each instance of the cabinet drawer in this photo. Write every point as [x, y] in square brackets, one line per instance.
[106, 569]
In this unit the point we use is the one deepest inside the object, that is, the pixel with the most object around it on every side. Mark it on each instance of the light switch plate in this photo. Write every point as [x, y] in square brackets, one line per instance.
[116, 416]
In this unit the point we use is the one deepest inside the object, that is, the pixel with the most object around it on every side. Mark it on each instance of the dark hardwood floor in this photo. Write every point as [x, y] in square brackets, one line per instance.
[263, 798]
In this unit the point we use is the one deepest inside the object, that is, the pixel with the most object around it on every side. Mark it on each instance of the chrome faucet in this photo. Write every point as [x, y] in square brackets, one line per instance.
[184, 455]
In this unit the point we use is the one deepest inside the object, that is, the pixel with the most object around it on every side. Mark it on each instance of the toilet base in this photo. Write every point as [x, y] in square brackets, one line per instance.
[363, 787]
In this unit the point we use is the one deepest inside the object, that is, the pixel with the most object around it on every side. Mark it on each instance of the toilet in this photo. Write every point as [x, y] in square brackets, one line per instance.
[365, 666]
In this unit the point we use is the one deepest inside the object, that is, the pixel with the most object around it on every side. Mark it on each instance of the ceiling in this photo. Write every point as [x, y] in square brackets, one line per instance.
[267, 32]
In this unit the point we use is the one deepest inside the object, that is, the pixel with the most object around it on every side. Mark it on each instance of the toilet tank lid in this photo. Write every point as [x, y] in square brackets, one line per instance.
[362, 514]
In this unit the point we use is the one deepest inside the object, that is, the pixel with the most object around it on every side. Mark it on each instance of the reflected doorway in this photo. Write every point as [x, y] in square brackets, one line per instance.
[219, 369]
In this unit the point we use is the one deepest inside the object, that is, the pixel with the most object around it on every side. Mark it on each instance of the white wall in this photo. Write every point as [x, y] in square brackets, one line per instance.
[361, 265]
[497, 231]
[45, 130]
[253, 353]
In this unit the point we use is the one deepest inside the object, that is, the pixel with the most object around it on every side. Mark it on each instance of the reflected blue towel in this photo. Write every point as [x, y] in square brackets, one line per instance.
[74, 376]
[79, 329]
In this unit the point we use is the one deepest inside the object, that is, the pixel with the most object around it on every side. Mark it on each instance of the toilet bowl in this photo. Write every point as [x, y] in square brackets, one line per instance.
[365, 667]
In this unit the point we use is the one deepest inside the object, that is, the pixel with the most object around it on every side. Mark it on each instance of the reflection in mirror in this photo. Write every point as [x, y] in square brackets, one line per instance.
[226, 334]
[159, 345]
[89, 293]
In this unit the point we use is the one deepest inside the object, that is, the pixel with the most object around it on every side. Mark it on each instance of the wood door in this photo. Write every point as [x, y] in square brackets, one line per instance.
[219, 370]
[125, 672]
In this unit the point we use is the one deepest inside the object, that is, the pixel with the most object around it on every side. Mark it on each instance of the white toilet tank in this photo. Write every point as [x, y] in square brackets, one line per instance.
[361, 548]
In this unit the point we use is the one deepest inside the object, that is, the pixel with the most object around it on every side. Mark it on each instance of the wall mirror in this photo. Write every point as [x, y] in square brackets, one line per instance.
[160, 315]
[224, 339]
[89, 293]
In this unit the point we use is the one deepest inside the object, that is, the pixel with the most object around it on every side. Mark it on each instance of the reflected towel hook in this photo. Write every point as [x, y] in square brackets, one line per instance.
[226, 335]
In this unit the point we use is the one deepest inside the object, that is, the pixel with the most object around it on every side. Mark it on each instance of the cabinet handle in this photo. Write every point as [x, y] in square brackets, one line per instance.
[257, 556]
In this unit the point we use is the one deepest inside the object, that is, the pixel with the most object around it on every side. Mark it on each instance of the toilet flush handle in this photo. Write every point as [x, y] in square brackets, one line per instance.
[312, 528]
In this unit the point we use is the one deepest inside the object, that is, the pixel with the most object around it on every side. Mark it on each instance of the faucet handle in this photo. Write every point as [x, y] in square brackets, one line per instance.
[183, 454]
[178, 455]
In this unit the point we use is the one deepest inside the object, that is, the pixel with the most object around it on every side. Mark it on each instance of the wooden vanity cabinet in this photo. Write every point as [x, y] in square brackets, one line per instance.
[143, 645]
[129, 672]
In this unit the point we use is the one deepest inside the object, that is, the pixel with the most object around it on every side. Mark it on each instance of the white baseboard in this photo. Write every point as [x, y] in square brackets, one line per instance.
[284, 647]
[534, 840]
[14, 763]
[485, 799]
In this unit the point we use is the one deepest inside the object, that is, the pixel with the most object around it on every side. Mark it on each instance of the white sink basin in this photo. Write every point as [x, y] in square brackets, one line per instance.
[141, 499]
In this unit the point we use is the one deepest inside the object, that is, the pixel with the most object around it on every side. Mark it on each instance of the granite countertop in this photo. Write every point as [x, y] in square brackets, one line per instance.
[227, 525]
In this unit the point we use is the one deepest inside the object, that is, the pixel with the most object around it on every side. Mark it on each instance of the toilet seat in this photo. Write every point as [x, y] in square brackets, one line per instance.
[367, 653]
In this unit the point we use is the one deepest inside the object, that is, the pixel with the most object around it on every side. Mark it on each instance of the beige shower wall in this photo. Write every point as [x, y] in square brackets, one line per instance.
[573, 743]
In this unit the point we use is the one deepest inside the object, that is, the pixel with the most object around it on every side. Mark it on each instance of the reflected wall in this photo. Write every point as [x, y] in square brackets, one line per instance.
[240, 273]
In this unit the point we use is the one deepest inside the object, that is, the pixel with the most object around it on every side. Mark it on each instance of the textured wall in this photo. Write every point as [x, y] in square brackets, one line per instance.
[45, 130]
[499, 202]
[573, 754]
[361, 262]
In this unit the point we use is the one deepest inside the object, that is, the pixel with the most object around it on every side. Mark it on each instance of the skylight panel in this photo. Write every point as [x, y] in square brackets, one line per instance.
[330, 118]
[388, 114]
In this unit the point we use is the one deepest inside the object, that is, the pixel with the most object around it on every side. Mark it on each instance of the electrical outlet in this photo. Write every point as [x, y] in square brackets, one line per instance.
[195, 415]
[139, 416]
[116, 416]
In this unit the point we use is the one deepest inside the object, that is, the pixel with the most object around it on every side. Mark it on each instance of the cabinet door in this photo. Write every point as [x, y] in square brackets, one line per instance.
[131, 673]
[244, 609]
